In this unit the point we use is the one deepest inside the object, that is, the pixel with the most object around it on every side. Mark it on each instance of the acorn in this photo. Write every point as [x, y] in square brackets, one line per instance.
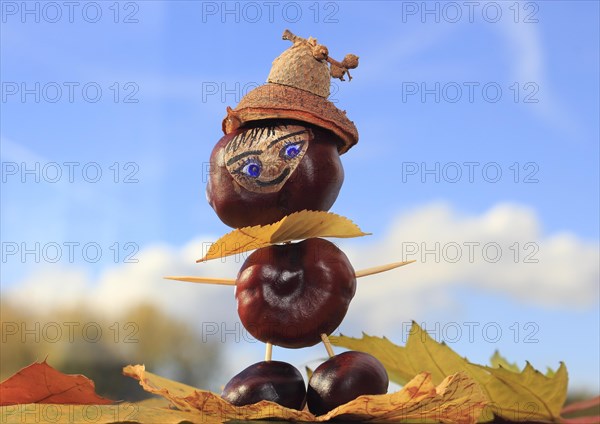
[280, 152]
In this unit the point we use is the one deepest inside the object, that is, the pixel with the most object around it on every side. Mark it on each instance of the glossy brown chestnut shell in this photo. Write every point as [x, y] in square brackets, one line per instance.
[343, 378]
[274, 381]
[290, 294]
[313, 185]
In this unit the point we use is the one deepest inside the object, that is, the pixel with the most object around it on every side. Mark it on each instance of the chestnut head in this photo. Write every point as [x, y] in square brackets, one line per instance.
[267, 170]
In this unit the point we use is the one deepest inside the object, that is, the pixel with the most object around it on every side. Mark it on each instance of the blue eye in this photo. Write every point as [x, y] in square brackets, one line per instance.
[251, 169]
[291, 150]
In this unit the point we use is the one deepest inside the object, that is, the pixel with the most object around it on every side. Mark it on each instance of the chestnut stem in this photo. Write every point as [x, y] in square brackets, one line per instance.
[268, 352]
[327, 344]
[336, 63]
[288, 35]
[231, 282]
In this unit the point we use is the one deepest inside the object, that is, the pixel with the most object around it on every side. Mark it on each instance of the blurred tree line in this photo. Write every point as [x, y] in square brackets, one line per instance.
[76, 341]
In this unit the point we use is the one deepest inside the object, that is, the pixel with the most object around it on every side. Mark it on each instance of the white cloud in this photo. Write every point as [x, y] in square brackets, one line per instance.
[122, 286]
[501, 251]
[494, 251]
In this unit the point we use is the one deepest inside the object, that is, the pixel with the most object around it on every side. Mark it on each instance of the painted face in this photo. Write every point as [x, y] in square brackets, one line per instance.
[262, 159]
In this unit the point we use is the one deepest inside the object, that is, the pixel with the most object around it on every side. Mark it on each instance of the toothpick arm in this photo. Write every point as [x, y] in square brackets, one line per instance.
[231, 282]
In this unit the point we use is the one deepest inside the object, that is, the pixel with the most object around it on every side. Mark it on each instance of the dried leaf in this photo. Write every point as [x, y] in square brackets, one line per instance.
[210, 405]
[586, 411]
[515, 396]
[96, 414]
[458, 399]
[40, 383]
[297, 226]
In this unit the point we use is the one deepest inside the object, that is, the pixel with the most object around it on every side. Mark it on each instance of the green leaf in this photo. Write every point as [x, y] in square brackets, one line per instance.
[515, 396]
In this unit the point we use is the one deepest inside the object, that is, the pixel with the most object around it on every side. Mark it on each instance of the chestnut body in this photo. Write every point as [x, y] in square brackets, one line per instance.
[313, 184]
[274, 381]
[343, 378]
[290, 294]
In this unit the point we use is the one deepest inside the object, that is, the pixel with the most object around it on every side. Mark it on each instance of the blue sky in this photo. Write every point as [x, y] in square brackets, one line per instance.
[507, 86]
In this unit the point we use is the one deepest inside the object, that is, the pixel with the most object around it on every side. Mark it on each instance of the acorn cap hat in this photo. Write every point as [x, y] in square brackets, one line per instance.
[297, 88]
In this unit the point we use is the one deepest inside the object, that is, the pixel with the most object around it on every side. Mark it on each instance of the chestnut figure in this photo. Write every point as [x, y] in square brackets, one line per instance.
[269, 169]
[343, 378]
[290, 294]
[274, 381]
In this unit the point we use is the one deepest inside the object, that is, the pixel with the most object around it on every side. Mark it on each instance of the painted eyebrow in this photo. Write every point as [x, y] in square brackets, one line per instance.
[283, 137]
[243, 155]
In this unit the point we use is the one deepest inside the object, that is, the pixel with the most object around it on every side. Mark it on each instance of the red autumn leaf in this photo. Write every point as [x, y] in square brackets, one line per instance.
[40, 383]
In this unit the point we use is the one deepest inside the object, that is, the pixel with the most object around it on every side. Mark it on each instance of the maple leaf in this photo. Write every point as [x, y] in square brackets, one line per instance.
[498, 361]
[457, 399]
[297, 226]
[40, 383]
[527, 395]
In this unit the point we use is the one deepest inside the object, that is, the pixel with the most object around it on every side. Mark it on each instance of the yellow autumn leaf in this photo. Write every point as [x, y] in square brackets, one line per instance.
[515, 396]
[457, 399]
[497, 361]
[96, 414]
[309, 372]
[297, 226]
[210, 406]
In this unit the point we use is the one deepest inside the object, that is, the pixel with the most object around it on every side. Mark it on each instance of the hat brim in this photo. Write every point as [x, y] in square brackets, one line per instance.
[276, 101]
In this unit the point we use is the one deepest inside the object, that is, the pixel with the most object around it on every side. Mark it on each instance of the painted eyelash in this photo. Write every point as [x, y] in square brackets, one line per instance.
[253, 134]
